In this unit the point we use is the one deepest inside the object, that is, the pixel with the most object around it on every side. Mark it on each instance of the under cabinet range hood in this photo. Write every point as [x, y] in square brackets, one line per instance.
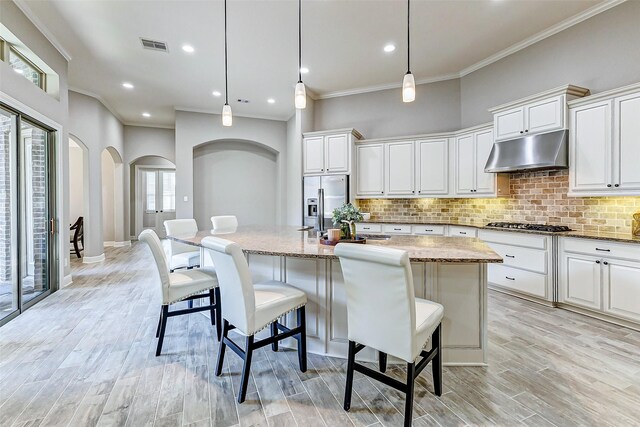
[530, 153]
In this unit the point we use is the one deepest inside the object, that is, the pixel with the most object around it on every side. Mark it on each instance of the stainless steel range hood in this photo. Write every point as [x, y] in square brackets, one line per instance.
[531, 153]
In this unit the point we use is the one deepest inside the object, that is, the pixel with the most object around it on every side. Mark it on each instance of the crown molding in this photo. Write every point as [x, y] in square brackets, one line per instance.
[99, 98]
[217, 113]
[555, 29]
[149, 125]
[24, 7]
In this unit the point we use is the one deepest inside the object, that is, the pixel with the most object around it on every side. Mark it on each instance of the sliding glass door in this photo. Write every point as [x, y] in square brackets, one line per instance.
[26, 212]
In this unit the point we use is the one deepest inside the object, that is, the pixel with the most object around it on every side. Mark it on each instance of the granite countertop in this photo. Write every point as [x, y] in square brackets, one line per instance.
[596, 235]
[292, 242]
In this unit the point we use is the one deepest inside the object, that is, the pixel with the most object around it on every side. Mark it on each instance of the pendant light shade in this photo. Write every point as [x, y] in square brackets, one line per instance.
[300, 94]
[408, 83]
[227, 118]
[408, 88]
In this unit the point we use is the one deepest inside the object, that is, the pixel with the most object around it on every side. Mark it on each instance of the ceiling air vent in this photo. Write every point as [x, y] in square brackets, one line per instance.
[154, 45]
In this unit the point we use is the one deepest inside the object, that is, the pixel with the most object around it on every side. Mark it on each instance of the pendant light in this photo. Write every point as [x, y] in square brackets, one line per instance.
[227, 118]
[408, 83]
[300, 92]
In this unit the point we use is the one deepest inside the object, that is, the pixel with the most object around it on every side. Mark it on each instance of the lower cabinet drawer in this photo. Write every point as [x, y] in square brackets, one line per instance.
[456, 231]
[602, 248]
[518, 280]
[525, 258]
[396, 229]
[429, 230]
[368, 228]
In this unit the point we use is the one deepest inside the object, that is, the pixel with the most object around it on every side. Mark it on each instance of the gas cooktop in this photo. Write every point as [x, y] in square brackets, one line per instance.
[531, 227]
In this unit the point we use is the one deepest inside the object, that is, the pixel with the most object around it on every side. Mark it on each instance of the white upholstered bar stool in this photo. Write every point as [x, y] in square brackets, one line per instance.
[249, 308]
[383, 313]
[182, 255]
[224, 223]
[184, 285]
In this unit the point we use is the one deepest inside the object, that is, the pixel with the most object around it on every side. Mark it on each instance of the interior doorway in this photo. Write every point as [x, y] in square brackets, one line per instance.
[78, 200]
[155, 194]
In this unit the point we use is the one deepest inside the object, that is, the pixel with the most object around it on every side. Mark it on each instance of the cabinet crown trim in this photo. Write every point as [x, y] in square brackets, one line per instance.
[351, 131]
[601, 96]
[569, 90]
[427, 136]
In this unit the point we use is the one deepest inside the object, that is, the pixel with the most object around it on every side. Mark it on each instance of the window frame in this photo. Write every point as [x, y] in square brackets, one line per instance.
[12, 50]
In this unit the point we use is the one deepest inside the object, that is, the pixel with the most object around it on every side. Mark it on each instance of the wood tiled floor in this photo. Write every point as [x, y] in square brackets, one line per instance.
[84, 356]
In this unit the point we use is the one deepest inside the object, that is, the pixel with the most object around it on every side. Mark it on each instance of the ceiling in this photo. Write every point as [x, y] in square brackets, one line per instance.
[342, 46]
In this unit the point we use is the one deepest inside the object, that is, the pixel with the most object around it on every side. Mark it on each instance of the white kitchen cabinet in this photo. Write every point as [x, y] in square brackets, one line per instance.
[460, 231]
[509, 124]
[399, 160]
[432, 167]
[621, 286]
[465, 164]
[328, 152]
[603, 144]
[471, 154]
[485, 182]
[370, 170]
[582, 284]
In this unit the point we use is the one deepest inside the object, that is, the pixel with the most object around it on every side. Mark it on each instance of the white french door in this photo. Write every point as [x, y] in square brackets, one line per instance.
[156, 199]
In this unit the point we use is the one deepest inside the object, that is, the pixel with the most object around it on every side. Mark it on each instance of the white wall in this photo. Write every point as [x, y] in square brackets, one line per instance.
[193, 129]
[76, 183]
[235, 178]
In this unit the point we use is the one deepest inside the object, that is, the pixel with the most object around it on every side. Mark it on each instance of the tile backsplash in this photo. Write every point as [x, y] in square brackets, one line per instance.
[536, 197]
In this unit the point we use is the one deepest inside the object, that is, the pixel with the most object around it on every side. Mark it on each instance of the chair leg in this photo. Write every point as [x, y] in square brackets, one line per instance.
[246, 369]
[76, 249]
[190, 303]
[222, 348]
[159, 323]
[274, 333]
[163, 327]
[351, 358]
[302, 342]
[436, 363]
[212, 302]
[382, 361]
[218, 313]
[408, 405]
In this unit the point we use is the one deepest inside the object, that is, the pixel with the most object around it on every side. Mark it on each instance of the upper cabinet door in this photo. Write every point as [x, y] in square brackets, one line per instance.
[465, 165]
[432, 166]
[370, 170]
[590, 147]
[627, 142]
[485, 182]
[509, 124]
[313, 155]
[400, 164]
[337, 155]
[545, 116]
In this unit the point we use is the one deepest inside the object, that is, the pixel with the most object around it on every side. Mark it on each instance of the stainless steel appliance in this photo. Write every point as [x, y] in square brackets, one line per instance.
[531, 227]
[321, 195]
[530, 153]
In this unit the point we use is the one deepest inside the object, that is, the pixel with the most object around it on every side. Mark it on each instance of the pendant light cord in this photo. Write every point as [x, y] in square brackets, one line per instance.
[299, 41]
[226, 84]
[408, 37]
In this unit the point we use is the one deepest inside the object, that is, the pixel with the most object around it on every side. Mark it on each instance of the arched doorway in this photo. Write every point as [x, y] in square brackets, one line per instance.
[78, 190]
[235, 177]
[112, 198]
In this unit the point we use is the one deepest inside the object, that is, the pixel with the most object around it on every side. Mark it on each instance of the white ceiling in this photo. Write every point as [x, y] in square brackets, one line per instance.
[342, 46]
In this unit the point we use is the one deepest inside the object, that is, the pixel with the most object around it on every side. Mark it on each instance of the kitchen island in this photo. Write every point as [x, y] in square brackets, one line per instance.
[449, 270]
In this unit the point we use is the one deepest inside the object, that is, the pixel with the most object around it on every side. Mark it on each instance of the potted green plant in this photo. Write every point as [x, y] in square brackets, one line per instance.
[346, 217]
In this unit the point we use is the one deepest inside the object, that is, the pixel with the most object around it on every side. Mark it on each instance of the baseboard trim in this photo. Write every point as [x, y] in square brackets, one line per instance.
[122, 244]
[108, 244]
[93, 259]
[66, 281]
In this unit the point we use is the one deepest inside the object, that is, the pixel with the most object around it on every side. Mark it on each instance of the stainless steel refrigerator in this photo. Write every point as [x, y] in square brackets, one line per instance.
[321, 195]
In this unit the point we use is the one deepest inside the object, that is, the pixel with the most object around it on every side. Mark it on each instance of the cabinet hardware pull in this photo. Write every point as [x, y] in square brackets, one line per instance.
[463, 232]
[509, 256]
[609, 185]
[526, 130]
[603, 250]
[605, 263]
[428, 230]
[53, 226]
[398, 229]
[617, 185]
[598, 262]
[521, 131]
[509, 278]
[366, 228]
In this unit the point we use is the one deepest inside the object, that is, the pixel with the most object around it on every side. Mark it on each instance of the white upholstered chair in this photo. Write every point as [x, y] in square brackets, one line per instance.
[249, 308]
[224, 223]
[184, 285]
[383, 313]
[182, 255]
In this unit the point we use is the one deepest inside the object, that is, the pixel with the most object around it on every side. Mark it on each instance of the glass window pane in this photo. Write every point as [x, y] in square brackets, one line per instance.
[20, 66]
[150, 178]
[169, 191]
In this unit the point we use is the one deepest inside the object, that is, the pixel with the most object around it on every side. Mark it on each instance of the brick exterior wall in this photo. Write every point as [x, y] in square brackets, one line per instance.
[40, 221]
[536, 197]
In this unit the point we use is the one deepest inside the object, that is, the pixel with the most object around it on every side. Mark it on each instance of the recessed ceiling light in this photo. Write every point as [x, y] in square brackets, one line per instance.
[216, 93]
[188, 48]
[389, 47]
[304, 70]
[145, 114]
[19, 71]
[271, 101]
[127, 85]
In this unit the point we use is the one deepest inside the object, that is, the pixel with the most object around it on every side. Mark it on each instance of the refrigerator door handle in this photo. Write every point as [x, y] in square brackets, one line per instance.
[320, 209]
